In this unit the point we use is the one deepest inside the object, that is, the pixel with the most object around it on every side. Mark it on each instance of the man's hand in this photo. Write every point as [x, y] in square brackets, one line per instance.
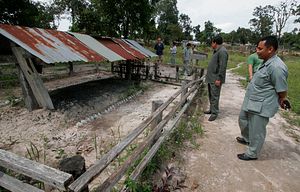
[218, 83]
[285, 104]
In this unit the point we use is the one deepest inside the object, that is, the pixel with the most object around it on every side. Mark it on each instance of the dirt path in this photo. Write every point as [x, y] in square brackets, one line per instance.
[215, 167]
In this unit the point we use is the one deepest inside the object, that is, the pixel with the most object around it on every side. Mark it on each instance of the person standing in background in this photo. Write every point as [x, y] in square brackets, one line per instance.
[173, 51]
[253, 64]
[215, 77]
[187, 55]
[159, 47]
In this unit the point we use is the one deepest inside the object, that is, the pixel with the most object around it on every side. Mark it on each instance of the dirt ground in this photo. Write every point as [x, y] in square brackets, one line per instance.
[215, 166]
[98, 117]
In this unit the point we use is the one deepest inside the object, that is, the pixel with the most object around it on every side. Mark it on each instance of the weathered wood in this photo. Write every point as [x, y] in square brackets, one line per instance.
[15, 185]
[155, 106]
[35, 170]
[117, 175]
[141, 166]
[35, 82]
[184, 90]
[29, 98]
[102, 163]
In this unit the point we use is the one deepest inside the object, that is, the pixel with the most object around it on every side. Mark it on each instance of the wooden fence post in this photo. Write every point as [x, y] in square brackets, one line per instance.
[184, 90]
[155, 105]
[32, 77]
[177, 73]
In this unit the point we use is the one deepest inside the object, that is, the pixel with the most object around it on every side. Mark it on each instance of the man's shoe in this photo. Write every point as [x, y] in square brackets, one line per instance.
[212, 117]
[245, 157]
[241, 141]
[207, 112]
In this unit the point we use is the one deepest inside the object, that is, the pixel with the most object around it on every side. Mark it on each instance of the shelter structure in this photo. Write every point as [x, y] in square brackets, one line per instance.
[32, 45]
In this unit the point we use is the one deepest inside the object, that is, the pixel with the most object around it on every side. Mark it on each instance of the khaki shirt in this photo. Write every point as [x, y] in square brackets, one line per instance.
[261, 95]
[216, 69]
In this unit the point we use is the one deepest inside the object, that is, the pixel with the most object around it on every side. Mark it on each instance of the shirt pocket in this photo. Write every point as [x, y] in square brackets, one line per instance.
[255, 103]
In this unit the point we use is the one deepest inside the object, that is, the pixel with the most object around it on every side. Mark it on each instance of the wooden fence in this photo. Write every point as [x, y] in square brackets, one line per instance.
[156, 123]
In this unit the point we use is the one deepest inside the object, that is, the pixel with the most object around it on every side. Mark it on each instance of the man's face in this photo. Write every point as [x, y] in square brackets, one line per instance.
[214, 45]
[263, 51]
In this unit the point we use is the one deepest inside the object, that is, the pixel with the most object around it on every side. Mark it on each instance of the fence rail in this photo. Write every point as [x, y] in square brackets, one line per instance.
[63, 181]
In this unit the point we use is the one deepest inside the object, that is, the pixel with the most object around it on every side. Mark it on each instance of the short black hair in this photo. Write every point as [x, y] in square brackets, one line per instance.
[270, 41]
[188, 44]
[217, 39]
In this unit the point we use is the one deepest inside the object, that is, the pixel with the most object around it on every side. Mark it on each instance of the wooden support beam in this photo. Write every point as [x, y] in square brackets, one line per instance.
[32, 77]
[15, 185]
[35, 170]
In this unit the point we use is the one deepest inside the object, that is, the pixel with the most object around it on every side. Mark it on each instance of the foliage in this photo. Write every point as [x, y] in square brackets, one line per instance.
[263, 21]
[167, 15]
[27, 13]
[185, 23]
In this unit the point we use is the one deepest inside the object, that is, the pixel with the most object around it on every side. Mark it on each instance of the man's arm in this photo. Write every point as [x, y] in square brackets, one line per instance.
[223, 58]
[250, 71]
[283, 100]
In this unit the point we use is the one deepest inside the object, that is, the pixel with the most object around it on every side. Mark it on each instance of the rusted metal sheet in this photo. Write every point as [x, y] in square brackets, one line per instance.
[49, 45]
[130, 49]
[140, 48]
[98, 47]
[109, 43]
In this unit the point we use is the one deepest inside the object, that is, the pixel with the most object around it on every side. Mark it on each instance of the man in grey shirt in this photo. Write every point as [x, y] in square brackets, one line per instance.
[215, 77]
[265, 93]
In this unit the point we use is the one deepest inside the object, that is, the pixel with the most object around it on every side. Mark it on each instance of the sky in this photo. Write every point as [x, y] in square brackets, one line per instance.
[226, 15]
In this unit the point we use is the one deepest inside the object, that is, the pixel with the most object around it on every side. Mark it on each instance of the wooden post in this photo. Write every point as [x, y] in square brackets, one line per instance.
[177, 73]
[155, 105]
[156, 71]
[74, 165]
[184, 90]
[71, 68]
[29, 99]
[35, 82]
[147, 71]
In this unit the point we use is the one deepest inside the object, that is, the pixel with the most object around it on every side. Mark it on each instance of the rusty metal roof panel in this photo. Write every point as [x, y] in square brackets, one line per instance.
[109, 43]
[49, 45]
[98, 47]
[130, 49]
[140, 48]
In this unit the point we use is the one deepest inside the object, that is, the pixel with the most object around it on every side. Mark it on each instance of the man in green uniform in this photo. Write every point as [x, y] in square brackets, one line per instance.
[265, 92]
[253, 64]
[215, 77]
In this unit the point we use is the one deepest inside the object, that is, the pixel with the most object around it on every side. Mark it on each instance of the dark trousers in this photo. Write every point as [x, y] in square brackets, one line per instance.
[214, 97]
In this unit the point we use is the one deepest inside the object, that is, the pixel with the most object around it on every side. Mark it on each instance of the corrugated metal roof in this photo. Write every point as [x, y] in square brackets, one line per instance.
[98, 47]
[109, 43]
[141, 48]
[49, 45]
[130, 49]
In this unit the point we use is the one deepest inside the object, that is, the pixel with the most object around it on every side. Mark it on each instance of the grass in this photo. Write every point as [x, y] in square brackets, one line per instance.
[293, 64]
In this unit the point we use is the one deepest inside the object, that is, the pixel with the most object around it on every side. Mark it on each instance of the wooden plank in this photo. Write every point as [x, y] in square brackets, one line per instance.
[36, 84]
[15, 185]
[141, 166]
[117, 175]
[102, 163]
[35, 170]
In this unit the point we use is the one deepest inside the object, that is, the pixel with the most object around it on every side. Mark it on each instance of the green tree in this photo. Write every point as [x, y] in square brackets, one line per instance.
[209, 31]
[197, 32]
[27, 13]
[282, 13]
[167, 14]
[185, 23]
[263, 22]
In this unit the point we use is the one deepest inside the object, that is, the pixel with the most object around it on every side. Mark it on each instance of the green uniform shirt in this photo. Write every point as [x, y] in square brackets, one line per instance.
[254, 61]
[261, 95]
[216, 69]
